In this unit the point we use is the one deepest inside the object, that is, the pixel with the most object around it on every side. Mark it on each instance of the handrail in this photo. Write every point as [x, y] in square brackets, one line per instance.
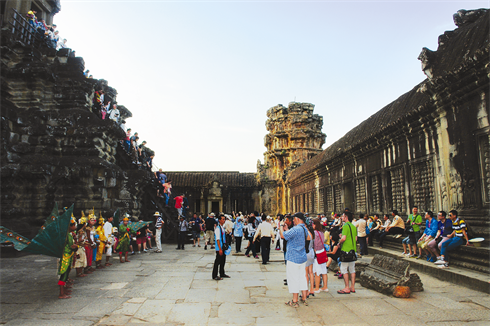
[22, 31]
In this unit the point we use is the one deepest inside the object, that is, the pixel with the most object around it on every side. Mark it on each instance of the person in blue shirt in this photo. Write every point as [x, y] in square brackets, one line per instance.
[238, 233]
[430, 233]
[297, 239]
[220, 240]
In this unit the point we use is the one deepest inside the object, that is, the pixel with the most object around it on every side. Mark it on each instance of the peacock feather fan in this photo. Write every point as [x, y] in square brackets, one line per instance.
[50, 241]
[19, 242]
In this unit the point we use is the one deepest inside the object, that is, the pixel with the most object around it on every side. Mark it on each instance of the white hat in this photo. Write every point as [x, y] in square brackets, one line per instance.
[157, 214]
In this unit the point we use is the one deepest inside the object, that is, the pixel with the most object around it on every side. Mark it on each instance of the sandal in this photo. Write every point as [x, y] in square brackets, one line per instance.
[304, 302]
[292, 304]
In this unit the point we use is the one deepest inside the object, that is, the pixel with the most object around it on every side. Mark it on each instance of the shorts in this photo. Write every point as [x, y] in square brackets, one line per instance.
[210, 237]
[196, 235]
[140, 240]
[350, 266]
[296, 277]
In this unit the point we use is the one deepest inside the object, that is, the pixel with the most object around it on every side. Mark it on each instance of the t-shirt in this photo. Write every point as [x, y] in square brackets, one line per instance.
[159, 223]
[459, 225]
[178, 201]
[446, 228]
[196, 225]
[415, 219]
[219, 234]
[398, 222]
[210, 223]
[350, 231]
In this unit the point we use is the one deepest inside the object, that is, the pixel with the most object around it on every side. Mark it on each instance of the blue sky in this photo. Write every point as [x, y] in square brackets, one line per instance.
[199, 76]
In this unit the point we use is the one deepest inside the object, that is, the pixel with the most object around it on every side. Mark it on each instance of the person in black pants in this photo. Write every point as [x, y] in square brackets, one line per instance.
[181, 234]
[220, 260]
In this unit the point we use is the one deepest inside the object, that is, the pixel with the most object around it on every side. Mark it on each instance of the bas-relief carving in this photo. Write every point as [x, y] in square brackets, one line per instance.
[215, 190]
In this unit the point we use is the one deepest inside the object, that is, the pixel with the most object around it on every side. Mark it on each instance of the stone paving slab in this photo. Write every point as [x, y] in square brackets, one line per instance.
[175, 288]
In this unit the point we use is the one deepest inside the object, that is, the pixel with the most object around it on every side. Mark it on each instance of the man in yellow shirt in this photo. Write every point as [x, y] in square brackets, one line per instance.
[396, 227]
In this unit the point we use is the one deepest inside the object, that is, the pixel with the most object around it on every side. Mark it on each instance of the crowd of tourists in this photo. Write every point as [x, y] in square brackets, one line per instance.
[48, 33]
[310, 245]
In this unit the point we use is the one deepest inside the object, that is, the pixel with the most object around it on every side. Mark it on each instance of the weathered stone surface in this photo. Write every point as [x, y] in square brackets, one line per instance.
[385, 273]
[415, 283]
[55, 148]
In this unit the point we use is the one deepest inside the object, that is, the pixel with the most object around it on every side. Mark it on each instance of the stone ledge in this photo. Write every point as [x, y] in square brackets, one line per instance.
[471, 279]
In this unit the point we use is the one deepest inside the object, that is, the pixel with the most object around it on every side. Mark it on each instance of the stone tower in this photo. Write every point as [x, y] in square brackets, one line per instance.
[295, 135]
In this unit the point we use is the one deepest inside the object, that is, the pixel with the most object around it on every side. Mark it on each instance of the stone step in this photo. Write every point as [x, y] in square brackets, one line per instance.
[455, 274]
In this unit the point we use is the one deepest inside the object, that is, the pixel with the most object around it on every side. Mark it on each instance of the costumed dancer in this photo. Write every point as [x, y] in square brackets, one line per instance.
[124, 238]
[110, 239]
[101, 242]
[81, 257]
[90, 229]
[65, 263]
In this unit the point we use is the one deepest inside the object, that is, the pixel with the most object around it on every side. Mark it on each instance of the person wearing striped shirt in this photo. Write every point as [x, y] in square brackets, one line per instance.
[456, 239]
[158, 233]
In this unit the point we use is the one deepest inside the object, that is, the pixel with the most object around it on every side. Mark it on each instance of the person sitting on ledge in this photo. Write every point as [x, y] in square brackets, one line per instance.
[456, 239]
[396, 227]
[429, 234]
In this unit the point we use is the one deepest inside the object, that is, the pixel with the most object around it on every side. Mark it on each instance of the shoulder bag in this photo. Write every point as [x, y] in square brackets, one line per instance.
[320, 255]
[350, 256]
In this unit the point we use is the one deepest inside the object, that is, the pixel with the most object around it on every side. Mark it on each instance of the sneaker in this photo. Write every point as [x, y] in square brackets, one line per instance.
[429, 258]
[418, 257]
[404, 254]
[446, 265]
[139, 252]
[438, 257]
[398, 236]
[440, 262]
[256, 257]
[205, 247]
[411, 256]
[145, 250]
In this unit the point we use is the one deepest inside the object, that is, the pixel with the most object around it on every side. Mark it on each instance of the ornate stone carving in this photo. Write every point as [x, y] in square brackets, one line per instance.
[330, 199]
[398, 189]
[376, 192]
[338, 198]
[485, 167]
[361, 195]
[321, 203]
[422, 176]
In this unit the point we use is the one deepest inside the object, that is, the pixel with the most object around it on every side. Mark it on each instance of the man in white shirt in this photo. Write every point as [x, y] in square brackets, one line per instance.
[110, 239]
[266, 233]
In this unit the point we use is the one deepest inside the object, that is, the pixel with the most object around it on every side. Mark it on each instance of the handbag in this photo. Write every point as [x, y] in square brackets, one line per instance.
[347, 257]
[224, 246]
[321, 256]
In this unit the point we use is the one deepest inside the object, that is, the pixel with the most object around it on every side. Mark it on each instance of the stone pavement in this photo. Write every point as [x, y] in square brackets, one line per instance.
[175, 288]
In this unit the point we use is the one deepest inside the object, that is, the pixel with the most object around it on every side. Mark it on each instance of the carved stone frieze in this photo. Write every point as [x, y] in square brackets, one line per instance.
[422, 177]
[376, 193]
[361, 195]
[397, 178]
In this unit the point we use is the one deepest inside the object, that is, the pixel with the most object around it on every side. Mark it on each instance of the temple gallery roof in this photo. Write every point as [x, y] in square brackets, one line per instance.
[457, 51]
[200, 179]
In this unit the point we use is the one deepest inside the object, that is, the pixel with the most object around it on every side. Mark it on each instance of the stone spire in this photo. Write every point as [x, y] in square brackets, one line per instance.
[295, 135]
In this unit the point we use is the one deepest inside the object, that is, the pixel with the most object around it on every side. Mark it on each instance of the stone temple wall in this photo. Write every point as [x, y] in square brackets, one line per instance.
[429, 147]
[54, 148]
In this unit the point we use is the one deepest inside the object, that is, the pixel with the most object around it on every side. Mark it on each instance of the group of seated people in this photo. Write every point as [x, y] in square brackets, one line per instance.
[47, 32]
[442, 233]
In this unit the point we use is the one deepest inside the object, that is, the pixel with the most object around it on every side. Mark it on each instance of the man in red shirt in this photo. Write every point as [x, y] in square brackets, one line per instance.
[178, 204]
